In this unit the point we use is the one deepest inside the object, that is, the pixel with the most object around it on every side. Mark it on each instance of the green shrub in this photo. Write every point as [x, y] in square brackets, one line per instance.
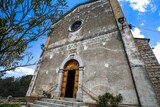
[108, 99]
[9, 105]
[47, 94]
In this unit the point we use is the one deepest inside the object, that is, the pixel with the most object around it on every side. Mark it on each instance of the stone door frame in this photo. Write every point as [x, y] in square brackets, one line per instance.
[60, 76]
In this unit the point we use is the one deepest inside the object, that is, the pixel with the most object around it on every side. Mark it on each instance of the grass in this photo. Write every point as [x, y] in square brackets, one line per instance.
[9, 105]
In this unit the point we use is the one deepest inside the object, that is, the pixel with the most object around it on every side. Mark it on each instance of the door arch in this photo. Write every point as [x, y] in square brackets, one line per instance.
[70, 79]
[58, 90]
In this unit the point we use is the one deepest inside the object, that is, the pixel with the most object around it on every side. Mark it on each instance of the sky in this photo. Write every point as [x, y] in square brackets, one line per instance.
[144, 15]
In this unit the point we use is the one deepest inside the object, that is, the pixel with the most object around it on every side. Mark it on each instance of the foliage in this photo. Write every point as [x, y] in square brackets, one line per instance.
[47, 94]
[16, 87]
[108, 99]
[22, 22]
[2, 74]
[9, 105]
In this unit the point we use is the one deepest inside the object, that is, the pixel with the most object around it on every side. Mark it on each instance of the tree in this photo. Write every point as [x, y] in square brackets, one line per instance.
[16, 87]
[24, 82]
[6, 88]
[21, 22]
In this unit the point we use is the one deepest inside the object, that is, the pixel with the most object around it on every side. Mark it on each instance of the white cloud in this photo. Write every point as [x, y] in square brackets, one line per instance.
[123, 0]
[18, 72]
[153, 7]
[158, 28]
[142, 24]
[140, 5]
[137, 33]
[156, 51]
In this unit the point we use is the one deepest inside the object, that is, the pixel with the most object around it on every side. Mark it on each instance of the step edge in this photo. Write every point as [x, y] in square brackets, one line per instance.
[62, 101]
[37, 104]
[61, 104]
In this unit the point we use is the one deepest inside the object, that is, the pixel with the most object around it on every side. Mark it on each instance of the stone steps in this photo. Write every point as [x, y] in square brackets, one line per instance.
[35, 105]
[44, 102]
[67, 99]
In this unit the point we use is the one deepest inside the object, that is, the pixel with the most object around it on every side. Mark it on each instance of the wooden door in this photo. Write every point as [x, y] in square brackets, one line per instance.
[76, 83]
[64, 83]
[71, 65]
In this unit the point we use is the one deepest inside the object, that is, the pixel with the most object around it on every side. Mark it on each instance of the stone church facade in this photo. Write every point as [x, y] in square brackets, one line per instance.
[91, 51]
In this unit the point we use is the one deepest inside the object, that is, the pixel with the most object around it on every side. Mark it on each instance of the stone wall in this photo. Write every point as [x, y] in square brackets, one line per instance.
[94, 23]
[111, 60]
[100, 48]
[146, 95]
[151, 64]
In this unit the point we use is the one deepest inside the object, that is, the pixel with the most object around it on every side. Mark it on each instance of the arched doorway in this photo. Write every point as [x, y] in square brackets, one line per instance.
[70, 78]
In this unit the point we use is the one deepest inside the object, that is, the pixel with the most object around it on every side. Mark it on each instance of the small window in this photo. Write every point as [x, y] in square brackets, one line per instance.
[76, 25]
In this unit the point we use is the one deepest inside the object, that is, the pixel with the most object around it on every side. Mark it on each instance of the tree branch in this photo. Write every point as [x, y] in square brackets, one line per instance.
[12, 68]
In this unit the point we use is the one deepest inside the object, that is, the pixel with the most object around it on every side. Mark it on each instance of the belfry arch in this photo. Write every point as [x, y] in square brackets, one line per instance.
[71, 70]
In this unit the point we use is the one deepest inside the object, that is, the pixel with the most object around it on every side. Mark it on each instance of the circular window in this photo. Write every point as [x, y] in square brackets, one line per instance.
[76, 25]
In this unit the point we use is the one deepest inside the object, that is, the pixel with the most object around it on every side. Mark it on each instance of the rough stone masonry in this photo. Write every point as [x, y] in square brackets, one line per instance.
[151, 64]
[93, 45]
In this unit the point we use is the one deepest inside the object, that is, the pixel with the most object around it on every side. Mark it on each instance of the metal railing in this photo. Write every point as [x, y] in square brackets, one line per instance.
[52, 88]
[90, 93]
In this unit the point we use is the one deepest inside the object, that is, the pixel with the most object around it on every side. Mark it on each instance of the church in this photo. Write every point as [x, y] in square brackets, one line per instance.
[91, 51]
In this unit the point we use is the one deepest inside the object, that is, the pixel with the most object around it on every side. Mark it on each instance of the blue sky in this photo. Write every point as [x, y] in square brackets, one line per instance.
[144, 14]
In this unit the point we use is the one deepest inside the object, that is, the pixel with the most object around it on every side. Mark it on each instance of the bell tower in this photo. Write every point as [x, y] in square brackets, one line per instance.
[89, 52]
